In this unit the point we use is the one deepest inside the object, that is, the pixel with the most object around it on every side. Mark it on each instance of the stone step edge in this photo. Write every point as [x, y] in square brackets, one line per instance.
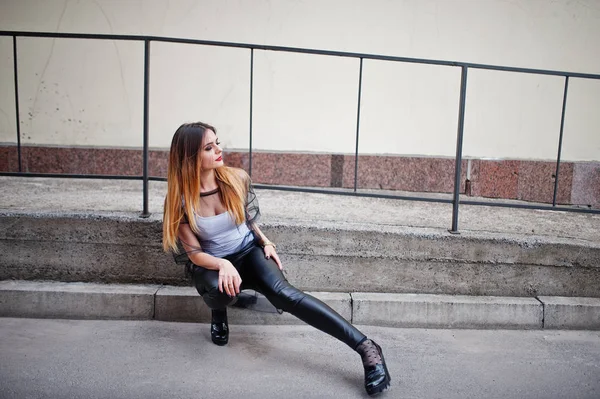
[326, 226]
[49, 299]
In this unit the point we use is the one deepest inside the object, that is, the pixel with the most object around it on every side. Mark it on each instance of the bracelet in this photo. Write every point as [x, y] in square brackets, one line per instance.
[267, 243]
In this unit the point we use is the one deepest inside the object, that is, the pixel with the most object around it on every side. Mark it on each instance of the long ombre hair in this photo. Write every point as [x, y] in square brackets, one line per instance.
[183, 183]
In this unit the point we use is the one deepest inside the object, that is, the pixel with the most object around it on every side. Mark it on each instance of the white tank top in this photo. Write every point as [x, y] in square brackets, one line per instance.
[219, 236]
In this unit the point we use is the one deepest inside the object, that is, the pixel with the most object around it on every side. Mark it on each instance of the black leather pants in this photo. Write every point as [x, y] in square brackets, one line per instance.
[263, 275]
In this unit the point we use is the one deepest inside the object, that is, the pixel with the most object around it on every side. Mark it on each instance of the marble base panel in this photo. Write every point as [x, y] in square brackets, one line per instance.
[158, 161]
[521, 180]
[494, 179]
[579, 182]
[237, 160]
[403, 173]
[536, 181]
[586, 184]
[73, 160]
[9, 159]
[292, 169]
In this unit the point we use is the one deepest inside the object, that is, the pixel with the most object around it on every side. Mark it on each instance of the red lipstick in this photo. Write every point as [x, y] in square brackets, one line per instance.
[219, 159]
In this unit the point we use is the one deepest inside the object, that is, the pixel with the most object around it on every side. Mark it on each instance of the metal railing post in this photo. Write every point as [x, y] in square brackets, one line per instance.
[251, 98]
[459, 147]
[16, 75]
[145, 212]
[357, 125]
[560, 140]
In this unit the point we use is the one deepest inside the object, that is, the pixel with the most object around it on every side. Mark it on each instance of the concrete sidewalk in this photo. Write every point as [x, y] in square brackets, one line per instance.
[151, 359]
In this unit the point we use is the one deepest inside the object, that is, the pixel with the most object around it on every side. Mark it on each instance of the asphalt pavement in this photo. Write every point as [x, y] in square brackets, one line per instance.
[44, 358]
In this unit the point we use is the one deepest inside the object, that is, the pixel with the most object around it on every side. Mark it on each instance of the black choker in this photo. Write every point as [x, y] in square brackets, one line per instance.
[206, 194]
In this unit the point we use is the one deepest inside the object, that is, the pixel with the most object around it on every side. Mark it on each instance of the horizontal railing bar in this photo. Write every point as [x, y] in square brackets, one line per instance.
[530, 206]
[65, 35]
[320, 191]
[70, 176]
[335, 192]
[350, 193]
[422, 199]
[99, 36]
[532, 71]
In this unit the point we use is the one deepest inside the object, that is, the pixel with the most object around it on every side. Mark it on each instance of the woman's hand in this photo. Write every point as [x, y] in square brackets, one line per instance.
[229, 278]
[270, 253]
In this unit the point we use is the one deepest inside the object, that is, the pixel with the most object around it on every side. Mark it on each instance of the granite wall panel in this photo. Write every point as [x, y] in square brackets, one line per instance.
[536, 181]
[579, 183]
[9, 159]
[495, 179]
[403, 173]
[292, 169]
[586, 184]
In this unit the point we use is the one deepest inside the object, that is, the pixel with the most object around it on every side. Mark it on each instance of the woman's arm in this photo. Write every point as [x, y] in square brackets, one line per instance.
[229, 278]
[192, 248]
[262, 238]
[252, 213]
[268, 246]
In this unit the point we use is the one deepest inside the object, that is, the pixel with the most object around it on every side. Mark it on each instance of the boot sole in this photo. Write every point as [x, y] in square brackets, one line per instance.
[220, 343]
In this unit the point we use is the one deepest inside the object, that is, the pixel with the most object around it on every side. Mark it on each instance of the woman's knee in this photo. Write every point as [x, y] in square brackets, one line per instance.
[205, 280]
[216, 299]
[284, 296]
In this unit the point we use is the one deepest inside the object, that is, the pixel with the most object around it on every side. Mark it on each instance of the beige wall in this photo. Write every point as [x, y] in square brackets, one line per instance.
[7, 92]
[512, 113]
[409, 108]
[191, 83]
[582, 122]
[76, 92]
[307, 102]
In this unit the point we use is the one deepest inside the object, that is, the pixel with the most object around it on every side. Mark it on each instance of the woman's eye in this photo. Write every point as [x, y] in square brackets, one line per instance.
[208, 148]
[218, 142]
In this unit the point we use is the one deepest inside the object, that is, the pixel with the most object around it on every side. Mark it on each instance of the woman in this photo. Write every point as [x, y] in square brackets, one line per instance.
[211, 210]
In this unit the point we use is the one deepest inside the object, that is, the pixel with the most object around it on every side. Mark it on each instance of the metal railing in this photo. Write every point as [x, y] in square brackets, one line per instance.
[465, 66]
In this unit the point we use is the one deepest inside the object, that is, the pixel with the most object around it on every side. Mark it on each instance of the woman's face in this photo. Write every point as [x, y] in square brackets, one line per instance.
[211, 154]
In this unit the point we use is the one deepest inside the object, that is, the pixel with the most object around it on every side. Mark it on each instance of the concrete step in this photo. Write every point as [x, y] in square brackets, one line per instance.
[93, 246]
[169, 303]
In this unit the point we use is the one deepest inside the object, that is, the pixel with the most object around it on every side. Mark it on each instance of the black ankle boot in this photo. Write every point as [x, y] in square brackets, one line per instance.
[377, 377]
[219, 329]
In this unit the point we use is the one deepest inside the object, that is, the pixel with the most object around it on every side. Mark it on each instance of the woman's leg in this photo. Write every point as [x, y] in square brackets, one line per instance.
[206, 282]
[207, 285]
[264, 276]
